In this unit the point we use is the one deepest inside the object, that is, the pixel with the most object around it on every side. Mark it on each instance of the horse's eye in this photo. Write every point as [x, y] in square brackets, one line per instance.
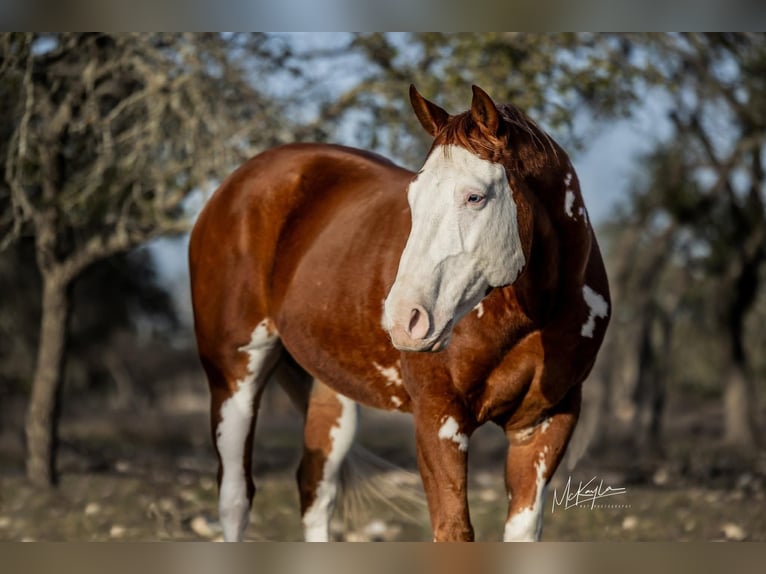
[474, 199]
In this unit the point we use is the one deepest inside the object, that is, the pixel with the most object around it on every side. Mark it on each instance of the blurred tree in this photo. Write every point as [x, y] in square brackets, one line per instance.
[551, 76]
[112, 295]
[708, 185]
[108, 136]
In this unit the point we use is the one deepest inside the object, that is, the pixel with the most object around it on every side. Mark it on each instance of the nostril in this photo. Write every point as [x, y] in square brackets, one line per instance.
[419, 323]
[414, 318]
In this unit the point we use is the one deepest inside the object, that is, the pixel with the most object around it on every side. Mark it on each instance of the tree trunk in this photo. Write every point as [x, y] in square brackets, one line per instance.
[42, 412]
[740, 401]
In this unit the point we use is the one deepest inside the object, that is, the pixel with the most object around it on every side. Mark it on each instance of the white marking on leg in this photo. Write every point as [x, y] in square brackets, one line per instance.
[316, 520]
[236, 417]
[569, 198]
[527, 524]
[598, 308]
[451, 431]
[391, 374]
[231, 434]
[479, 309]
[524, 434]
[262, 338]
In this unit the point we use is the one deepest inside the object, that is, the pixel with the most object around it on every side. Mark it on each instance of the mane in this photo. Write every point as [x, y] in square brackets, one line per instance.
[521, 145]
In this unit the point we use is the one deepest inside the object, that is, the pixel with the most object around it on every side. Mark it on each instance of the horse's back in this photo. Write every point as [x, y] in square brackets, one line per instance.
[283, 211]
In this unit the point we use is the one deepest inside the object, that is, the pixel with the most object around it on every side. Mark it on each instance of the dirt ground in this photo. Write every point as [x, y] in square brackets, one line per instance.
[148, 474]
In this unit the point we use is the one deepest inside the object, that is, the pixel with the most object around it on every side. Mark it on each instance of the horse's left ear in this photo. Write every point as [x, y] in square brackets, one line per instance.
[484, 111]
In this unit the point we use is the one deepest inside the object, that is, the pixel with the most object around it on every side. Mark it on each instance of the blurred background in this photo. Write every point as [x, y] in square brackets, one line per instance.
[110, 144]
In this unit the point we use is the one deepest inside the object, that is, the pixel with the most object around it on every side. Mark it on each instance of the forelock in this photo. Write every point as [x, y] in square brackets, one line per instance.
[521, 146]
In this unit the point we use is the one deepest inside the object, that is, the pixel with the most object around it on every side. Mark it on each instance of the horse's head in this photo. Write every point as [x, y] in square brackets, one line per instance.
[470, 227]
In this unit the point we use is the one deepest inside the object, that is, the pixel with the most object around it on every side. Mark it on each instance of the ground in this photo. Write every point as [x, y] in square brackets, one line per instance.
[149, 474]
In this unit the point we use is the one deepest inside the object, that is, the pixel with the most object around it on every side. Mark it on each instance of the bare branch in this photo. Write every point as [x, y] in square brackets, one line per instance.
[22, 208]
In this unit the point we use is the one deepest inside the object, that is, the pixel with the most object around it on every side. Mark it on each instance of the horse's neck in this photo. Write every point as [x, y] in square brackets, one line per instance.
[536, 287]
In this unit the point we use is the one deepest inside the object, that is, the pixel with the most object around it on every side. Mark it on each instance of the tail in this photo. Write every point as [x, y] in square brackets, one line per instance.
[377, 497]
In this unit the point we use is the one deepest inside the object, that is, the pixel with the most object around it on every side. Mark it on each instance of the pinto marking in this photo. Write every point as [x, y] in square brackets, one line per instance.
[391, 374]
[525, 434]
[316, 519]
[236, 415]
[236, 418]
[569, 199]
[527, 524]
[450, 430]
[598, 308]
[264, 334]
[479, 309]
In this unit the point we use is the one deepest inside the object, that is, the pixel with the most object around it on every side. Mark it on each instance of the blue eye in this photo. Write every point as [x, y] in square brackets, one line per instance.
[475, 198]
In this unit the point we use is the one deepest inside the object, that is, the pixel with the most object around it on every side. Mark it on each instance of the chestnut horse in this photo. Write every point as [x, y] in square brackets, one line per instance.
[468, 292]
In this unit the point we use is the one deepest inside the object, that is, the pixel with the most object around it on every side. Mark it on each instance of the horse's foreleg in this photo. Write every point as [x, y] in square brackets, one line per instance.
[533, 456]
[331, 422]
[442, 447]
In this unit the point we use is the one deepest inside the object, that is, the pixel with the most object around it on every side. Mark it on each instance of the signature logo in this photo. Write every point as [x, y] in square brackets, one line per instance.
[586, 494]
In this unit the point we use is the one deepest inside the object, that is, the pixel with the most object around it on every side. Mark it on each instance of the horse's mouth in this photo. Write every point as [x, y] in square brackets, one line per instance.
[433, 344]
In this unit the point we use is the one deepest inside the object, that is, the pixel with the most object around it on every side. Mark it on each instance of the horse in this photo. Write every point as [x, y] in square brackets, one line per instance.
[472, 291]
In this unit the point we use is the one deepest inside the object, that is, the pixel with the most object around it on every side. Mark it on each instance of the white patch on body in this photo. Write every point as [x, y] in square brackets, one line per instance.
[391, 374]
[568, 179]
[569, 198]
[527, 524]
[479, 309]
[598, 308]
[316, 520]
[451, 431]
[545, 424]
[455, 250]
[396, 401]
[231, 434]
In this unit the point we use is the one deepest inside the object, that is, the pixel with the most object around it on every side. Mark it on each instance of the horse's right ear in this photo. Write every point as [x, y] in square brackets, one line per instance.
[431, 116]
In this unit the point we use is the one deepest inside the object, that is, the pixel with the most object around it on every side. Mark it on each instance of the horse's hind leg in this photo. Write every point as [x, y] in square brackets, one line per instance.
[331, 422]
[237, 377]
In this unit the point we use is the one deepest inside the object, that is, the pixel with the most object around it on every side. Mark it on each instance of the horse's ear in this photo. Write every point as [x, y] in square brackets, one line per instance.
[431, 116]
[484, 111]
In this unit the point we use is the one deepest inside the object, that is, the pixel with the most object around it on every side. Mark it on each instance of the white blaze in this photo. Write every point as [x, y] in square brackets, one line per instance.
[457, 248]
[598, 308]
